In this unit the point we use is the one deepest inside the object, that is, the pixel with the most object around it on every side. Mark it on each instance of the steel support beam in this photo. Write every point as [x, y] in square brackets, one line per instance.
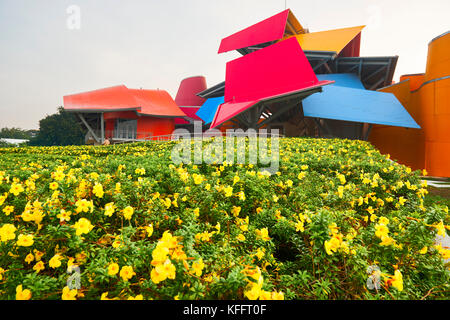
[102, 128]
[88, 127]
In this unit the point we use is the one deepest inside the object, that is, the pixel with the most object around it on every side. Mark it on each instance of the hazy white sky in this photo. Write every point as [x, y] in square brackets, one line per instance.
[155, 43]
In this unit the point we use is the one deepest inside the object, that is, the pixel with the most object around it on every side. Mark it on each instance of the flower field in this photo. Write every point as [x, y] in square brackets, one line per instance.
[337, 221]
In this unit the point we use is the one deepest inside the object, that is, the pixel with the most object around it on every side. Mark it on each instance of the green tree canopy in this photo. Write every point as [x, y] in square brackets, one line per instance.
[59, 129]
[14, 133]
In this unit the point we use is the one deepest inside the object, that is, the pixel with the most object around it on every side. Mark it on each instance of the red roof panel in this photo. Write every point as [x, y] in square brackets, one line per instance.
[120, 98]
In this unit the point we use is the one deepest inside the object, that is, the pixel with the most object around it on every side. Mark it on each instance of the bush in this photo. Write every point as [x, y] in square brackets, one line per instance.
[338, 221]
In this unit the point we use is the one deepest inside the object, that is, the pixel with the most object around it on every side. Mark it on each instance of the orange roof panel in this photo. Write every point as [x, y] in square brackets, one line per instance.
[330, 40]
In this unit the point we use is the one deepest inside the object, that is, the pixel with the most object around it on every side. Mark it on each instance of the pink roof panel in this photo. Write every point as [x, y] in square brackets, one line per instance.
[270, 29]
[274, 70]
[281, 69]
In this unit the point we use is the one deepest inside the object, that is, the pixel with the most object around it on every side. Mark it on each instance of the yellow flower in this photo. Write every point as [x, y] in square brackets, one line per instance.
[55, 261]
[58, 175]
[386, 241]
[341, 178]
[84, 206]
[140, 171]
[198, 178]
[39, 266]
[3, 198]
[241, 237]
[98, 190]
[94, 175]
[16, 189]
[423, 250]
[304, 167]
[128, 212]
[64, 215]
[29, 258]
[113, 269]
[197, 267]
[138, 297]
[68, 294]
[370, 210]
[53, 185]
[263, 234]
[397, 280]
[7, 232]
[196, 212]
[440, 228]
[235, 211]
[401, 201]
[301, 175]
[253, 293]
[22, 294]
[381, 230]
[299, 226]
[8, 209]
[228, 191]
[259, 253]
[163, 271]
[25, 240]
[126, 273]
[383, 220]
[38, 254]
[109, 209]
[83, 226]
[149, 230]
[341, 191]
[331, 245]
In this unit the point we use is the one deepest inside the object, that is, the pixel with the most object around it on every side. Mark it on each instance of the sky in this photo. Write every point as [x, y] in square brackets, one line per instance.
[52, 48]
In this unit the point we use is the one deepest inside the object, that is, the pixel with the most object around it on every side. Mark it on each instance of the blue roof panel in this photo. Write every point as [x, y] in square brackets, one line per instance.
[209, 108]
[350, 80]
[349, 104]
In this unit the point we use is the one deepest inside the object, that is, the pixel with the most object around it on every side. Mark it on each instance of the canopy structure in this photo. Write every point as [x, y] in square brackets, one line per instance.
[274, 74]
[156, 103]
[120, 114]
[263, 33]
[347, 100]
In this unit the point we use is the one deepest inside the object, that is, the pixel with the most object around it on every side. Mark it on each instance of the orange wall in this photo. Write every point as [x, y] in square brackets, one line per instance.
[427, 99]
[415, 80]
[406, 145]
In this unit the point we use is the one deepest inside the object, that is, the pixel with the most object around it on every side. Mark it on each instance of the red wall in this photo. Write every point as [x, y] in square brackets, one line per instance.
[154, 126]
[146, 126]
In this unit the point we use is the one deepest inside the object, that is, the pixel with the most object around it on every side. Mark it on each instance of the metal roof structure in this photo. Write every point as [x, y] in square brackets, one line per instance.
[277, 73]
[156, 103]
[347, 100]
[209, 108]
[263, 33]
[329, 41]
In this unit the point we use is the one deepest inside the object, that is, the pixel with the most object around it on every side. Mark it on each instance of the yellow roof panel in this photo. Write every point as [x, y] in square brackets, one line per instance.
[330, 40]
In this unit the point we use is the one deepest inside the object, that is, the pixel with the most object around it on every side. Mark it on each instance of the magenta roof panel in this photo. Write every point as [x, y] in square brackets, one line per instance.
[275, 71]
[270, 29]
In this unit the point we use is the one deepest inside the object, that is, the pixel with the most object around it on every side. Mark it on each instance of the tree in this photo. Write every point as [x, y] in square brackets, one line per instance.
[14, 133]
[59, 129]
